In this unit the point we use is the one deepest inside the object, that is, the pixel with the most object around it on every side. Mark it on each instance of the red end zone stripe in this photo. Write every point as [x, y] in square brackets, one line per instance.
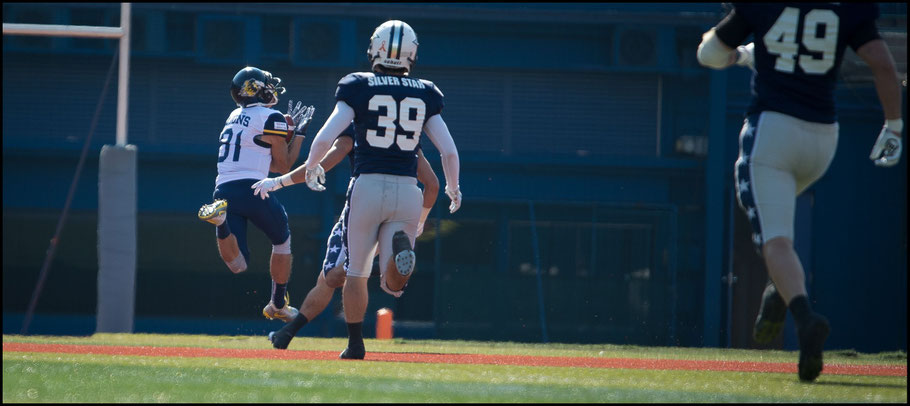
[581, 362]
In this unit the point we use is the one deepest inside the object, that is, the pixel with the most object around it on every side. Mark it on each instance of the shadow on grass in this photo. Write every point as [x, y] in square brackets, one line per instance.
[862, 385]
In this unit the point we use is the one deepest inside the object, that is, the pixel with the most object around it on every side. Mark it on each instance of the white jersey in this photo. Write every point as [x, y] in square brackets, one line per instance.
[242, 154]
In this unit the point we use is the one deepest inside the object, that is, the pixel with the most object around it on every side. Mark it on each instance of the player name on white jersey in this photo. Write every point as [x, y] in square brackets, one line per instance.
[242, 119]
[394, 81]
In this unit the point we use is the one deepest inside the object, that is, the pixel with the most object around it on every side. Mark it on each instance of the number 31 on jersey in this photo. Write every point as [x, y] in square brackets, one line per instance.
[400, 114]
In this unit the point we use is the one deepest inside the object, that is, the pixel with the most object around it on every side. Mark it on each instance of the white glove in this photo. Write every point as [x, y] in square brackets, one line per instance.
[263, 187]
[887, 148]
[455, 196]
[744, 55]
[419, 229]
[315, 178]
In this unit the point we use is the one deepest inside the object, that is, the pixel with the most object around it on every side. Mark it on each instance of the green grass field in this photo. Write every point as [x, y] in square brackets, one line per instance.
[57, 377]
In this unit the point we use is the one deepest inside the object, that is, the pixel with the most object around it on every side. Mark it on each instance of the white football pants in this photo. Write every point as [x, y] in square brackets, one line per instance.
[380, 205]
[780, 156]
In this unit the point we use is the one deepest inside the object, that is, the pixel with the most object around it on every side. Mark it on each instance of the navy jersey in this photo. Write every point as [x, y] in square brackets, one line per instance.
[798, 51]
[349, 132]
[389, 115]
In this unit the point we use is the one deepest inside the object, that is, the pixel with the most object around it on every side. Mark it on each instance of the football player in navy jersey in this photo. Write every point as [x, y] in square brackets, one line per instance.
[332, 275]
[390, 110]
[253, 143]
[790, 133]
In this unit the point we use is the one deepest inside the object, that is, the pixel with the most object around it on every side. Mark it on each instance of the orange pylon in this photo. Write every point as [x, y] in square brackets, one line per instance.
[384, 324]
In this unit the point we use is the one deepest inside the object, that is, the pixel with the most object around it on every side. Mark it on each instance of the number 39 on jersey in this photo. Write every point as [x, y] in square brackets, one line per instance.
[397, 113]
[389, 115]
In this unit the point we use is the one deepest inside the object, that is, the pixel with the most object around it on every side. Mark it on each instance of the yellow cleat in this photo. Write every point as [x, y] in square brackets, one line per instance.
[214, 213]
[285, 314]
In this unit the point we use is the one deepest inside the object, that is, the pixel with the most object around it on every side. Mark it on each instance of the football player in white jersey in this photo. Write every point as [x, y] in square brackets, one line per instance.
[254, 142]
[390, 110]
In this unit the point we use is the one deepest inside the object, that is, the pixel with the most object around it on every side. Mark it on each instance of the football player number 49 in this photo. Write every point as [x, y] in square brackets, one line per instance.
[401, 113]
[781, 41]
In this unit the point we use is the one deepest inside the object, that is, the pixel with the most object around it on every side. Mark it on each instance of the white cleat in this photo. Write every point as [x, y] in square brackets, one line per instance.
[405, 258]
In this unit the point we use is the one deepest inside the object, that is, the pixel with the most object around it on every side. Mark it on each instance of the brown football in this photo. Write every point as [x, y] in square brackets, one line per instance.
[290, 121]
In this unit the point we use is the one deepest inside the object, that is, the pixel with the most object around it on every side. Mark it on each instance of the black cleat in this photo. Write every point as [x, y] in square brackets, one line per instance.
[771, 316]
[812, 338]
[348, 353]
[281, 339]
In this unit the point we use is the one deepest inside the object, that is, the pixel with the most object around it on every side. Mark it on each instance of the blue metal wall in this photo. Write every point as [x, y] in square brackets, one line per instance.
[552, 110]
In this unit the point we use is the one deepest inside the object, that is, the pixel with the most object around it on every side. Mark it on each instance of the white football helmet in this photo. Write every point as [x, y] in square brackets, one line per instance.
[393, 45]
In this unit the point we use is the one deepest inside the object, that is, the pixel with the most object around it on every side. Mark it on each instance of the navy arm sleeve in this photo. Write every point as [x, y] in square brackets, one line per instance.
[436, 102]
[347, 89]
[275, 124]
[863, 34]
[733, 29]
[864, 30]
[348, 132]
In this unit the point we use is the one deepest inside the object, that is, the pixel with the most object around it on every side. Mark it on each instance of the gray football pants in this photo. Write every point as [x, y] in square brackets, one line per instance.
[780, 157]
[380, 205]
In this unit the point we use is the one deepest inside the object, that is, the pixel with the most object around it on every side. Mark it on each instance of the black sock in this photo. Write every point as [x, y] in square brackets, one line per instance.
[278, 290]
[223, 231]
[355, 335]
[295, 325]
[799, 307]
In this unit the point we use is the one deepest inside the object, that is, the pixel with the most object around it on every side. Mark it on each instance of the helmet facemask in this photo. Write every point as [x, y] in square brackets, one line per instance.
[271, 90]
[255, 87]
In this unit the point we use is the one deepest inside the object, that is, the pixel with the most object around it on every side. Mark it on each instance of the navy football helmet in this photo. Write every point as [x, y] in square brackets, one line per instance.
[255, 87]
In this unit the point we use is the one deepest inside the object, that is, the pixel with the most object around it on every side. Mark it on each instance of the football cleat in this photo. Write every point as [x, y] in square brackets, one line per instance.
[812, 337]
[214, 213]
[285, 314]
[404, 260]
[771, 316]
[281, 339]
[348, 353]
[404, 255]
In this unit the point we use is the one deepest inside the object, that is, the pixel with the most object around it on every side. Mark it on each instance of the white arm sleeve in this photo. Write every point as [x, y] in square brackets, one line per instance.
[439, 134]
[339, 120]
[713, 53]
